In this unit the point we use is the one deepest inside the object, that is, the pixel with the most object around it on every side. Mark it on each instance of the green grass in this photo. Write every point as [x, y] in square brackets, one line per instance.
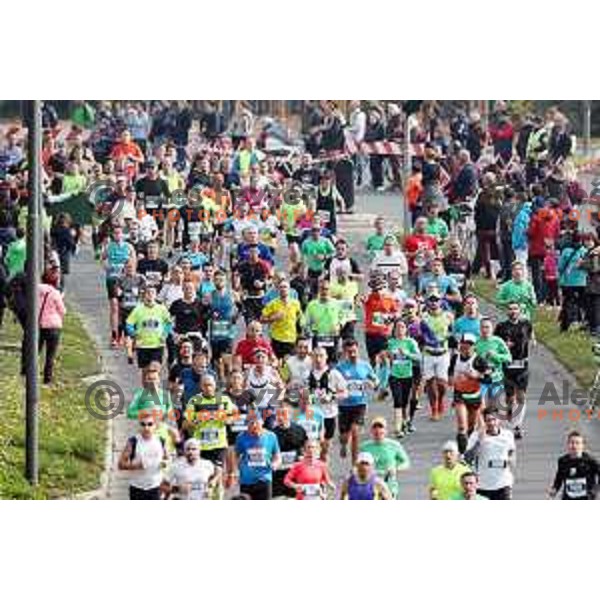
[72, 443]
[573, 349]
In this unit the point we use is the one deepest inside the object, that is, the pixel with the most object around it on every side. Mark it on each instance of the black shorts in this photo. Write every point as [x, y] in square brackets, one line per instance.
[329, 426]
[111, 288]
[350, 415]
[216, 456]
[147, 355]
[504, 493]
[401, 391]
[220, 347]
[279, 488]
[263, 490]
[472, 402]
[417, 374]
[375, 343]
[515, 379]
[282, 349]
[292, 239]
[136, 493]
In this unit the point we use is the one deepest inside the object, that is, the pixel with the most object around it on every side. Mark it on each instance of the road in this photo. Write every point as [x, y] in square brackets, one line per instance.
[536, 453]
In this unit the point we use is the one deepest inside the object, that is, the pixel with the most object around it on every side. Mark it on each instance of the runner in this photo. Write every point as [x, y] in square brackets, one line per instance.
[445, 480]
[257, 453]
[469, 483]
[323, 319]
[578, 473]
[389, 455]
[364, 483]
[491, 449]
[518, 335]
[360, 379]
[310, 476]
[145, 455]
[191, 477]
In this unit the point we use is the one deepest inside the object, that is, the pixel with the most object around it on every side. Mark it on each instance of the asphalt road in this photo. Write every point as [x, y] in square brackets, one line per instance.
[536, 453]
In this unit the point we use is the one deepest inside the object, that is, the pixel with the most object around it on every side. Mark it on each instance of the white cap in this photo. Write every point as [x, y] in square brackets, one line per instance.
[191, 442]
[450, 446]
[365, 457]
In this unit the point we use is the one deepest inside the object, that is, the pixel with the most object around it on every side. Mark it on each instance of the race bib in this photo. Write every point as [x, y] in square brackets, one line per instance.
[239, 425]
[288, 459]
[378, 318]
[576, 488]
[326, 341]
[311, 491]
[356, 385]
[194, 229]
[151, 325]
[324, 215]
[221, 328]
[497, 463]
[209, 435]
[311, 428]
[458, 279]
[516, 364]
[198, 491]
[257, 458]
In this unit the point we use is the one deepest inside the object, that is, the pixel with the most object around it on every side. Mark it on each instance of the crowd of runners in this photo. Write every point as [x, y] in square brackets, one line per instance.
[263, 345]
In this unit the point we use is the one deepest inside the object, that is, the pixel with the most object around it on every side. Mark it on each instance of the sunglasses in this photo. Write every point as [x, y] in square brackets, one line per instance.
[147, 424]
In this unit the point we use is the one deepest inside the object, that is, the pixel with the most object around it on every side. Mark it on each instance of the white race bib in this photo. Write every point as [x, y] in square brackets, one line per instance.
[576, 488]
[257, 458]
[311, 491]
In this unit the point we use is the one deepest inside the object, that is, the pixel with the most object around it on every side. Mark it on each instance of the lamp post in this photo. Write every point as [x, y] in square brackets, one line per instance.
[34, 245]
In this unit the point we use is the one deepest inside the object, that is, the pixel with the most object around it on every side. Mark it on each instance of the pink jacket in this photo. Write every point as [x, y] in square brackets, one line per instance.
[52, 307]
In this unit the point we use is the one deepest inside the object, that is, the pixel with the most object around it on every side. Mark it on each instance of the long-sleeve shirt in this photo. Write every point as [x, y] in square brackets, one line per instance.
[52, 307]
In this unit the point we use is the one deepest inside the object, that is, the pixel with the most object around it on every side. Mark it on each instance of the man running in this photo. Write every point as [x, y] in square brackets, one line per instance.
[389, 455]
[364, 483]
[445, 479]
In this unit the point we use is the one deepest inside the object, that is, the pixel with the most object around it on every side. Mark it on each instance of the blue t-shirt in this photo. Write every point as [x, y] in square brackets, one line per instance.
[444, 283]
[221, 320]
[255, 455]
[198, 259]
[117, 254]
[312, 421]
[356, 376]
[466, 324]
[264, 252]
[206, 287]
[191, 381]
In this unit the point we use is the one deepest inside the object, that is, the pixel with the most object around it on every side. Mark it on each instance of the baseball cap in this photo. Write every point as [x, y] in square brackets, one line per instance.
[192, 442]
[410, 303]
[365, 457]
[379, 421]
[468, 338]
[450, 446]
[434, 296]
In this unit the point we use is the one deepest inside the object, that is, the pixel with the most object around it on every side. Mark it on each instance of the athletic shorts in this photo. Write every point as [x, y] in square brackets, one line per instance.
[147, 355]
[329, 426]
[282, 349]
[515, 379]
[220, 347]
[504, 493]
[436, 366]
[279, 488]
[375, 343]
[350, 415]
[216, 456]
[111, 287]
[401, 391]
[262, 490]
[460, 399]
[292, 239]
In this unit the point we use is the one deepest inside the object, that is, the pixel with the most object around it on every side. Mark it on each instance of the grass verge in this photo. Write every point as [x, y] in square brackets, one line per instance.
[72, 442]
[573, 349]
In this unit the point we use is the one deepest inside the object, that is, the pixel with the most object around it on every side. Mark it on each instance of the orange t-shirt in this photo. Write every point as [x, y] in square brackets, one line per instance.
[377, 307]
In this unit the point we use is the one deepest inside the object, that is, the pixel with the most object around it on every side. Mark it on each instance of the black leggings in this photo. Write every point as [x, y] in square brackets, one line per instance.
[401, 393]
[140, 494]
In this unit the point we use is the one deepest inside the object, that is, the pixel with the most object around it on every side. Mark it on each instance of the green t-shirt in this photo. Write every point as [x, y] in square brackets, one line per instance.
[151, 325]
[441, 325]
[389, 456]
[495, 351]
[16, 255]
[147, 401]
[437, 228]
[290, 213]
[402, 363]
[447, 481]
[521, 292]
[375, 243]
[323, 318]
[311, 249]
[461, 496]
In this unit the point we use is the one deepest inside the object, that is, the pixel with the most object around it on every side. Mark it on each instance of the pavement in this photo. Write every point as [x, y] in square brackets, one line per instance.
[537, 453]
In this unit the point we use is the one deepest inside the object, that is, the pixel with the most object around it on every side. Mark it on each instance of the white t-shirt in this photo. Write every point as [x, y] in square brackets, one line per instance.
[181, 472]
[148, 227]
[299, 370]
[151, 452]
[169, 293]
[492, 459]
[396, 261]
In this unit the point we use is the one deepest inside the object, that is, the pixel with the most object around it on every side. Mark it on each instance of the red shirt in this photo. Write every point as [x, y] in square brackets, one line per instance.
[415, 242]
[307, 473]
[376, 307]
[246, 348]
